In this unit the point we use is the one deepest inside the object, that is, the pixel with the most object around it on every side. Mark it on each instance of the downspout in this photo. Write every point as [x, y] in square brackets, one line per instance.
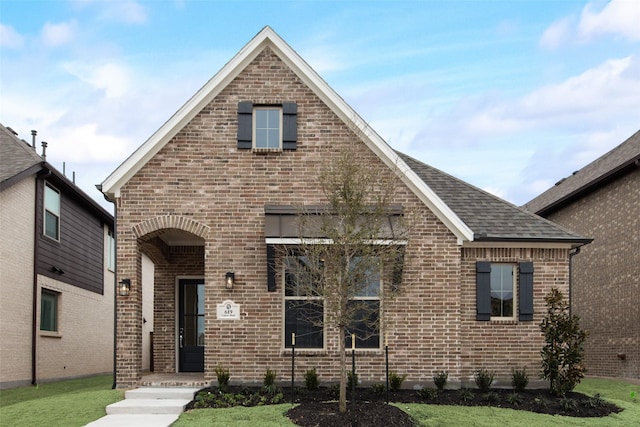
[115, 289]
[575, 252]
[36, 260]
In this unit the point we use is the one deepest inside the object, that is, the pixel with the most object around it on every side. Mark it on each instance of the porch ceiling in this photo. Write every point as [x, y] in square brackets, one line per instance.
[175, 237]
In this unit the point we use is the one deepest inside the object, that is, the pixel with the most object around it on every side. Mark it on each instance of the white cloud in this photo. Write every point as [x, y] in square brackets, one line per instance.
[557, 33]
[86, 144]
[618, 17]
[127, 11]
[57, 34]
[10, 38]
[113, 78]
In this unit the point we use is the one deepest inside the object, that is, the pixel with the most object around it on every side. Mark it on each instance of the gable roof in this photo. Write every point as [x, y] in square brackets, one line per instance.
[491, 218]
[17, 158]
[268, 38]
[617, 162]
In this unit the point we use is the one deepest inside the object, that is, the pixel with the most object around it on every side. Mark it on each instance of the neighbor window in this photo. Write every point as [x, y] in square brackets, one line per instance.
[502, 290]
[111, 251]
[304, 308]
[51, 212]
[49, 311]
[267, 130]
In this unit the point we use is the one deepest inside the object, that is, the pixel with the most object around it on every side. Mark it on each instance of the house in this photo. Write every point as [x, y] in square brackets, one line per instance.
[602, 200]
[56, 272]
[212, 194]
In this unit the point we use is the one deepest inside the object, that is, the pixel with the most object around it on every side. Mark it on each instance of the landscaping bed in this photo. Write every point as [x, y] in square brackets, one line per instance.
[319, 407]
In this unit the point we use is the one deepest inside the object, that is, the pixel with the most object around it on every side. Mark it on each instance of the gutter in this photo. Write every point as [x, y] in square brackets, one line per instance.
[575, 252]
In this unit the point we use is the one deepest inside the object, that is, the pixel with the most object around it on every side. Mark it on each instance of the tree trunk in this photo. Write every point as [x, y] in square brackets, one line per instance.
[343, 372]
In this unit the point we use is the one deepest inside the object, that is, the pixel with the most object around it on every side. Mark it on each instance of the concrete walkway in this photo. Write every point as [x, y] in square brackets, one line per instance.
[147, 407]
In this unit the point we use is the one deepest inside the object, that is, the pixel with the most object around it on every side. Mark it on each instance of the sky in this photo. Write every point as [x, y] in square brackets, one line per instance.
[510, 96]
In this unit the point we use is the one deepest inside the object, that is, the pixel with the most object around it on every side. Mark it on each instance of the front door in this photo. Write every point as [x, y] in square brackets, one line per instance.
[191, 325]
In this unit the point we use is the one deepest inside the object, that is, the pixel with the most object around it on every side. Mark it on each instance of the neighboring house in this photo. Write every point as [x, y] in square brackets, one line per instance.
[56, 272]
[211, 193]
[602, 201]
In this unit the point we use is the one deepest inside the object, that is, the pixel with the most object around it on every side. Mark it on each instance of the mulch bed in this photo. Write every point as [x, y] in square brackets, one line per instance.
[319, 407]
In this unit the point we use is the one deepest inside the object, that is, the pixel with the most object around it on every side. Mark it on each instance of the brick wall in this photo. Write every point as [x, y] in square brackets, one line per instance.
[16, 282]
[606, 284]
[200, 182]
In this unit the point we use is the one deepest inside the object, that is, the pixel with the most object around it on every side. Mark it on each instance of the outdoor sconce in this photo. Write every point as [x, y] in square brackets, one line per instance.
[124, 287]
[230, 280]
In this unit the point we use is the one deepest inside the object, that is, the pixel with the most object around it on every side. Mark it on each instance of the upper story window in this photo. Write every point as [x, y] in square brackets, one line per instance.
[267, 127]
[51, 212]
[111, 251]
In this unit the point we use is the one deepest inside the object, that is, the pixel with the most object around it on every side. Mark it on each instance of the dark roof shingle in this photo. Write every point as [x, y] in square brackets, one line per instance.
[16, 155]
[490, 218]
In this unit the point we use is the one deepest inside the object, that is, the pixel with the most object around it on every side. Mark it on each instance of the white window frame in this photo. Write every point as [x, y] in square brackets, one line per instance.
[111, 250]
[56, 310]
[254, 130]
[47, 210]
[514, 287]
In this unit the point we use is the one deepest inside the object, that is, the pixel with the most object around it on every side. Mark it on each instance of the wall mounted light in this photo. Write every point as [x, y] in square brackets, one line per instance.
[124, 287]
[230, 280]
[57, 270]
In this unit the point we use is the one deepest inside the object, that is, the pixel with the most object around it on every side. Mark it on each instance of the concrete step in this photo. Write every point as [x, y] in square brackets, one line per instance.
[128, 420]
[161, 393]
[148, 406]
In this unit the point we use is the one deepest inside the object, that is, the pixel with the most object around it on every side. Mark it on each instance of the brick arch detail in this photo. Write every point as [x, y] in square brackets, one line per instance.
[147, 230]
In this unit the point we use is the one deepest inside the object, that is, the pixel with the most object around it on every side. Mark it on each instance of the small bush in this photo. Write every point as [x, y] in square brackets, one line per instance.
[491, 397]
[541, 402]
[465, 395]
[483, 379]
[596, 401]
[222, 374]
[515, 399]
[352, 380]
[440, 379]
[378, 389]
[311, 379]
[519, 379]
[428, 393]
[334, 391]
[569, 405]
[269, 387]
[395, 381]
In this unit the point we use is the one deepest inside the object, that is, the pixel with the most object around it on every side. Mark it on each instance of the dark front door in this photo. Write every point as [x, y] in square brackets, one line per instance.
[191, 325]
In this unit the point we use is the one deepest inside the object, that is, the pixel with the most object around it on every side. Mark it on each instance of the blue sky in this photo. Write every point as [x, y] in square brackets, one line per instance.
[510, 96]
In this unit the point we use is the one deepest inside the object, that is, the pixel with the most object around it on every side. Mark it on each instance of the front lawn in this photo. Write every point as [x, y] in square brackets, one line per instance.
[62, 403]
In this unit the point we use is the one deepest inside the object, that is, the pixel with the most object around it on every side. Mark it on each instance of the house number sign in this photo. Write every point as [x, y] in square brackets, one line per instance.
[228, 310]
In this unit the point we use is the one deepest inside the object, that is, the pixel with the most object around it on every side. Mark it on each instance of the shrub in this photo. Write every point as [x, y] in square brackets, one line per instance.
[596, 401]
[269, 387]
[378, 389]
[352, 380]
[569, 405]
[515, 399]
[483, 379]
[395, 380]
[222, 374]
[465, 395]
[491, 397]
[519, 379]
[540, 402]
[428, 393]
[334, 391]
[440, 379]
[311, 379]
[564, 349]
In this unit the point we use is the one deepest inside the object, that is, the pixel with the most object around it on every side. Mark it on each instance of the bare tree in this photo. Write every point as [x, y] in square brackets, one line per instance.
[350, 254]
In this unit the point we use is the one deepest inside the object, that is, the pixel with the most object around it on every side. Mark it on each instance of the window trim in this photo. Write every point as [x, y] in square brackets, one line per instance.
[58, 216]
[111, 250]
[514, 297]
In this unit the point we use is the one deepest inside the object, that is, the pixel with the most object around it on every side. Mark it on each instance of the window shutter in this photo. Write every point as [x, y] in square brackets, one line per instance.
[271, 268]
[289, 125]
[245, 130]
[525, 280]
[483, 290]
[397, 269]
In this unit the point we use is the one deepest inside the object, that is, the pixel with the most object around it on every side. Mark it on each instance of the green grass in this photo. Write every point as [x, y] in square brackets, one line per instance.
[62, 403]
[618, 392]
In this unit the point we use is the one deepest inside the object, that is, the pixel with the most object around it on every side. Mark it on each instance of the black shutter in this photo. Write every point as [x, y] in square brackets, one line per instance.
[483, 290]
[397, 269]
[245, 128]
[525, 280]
[289, 125]
[271, 268]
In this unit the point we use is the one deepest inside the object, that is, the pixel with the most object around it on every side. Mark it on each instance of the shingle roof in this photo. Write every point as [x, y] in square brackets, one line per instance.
[16, 156]
[614, 163]
[490, 218]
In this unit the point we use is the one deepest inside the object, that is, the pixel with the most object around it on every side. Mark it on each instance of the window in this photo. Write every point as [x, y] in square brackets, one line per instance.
[304, 308]
[502, 290]
[49, 311]
[51, 212]
[111, 251]
[497, 290]
[267, 127]
[267, 130]
[366, 306]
